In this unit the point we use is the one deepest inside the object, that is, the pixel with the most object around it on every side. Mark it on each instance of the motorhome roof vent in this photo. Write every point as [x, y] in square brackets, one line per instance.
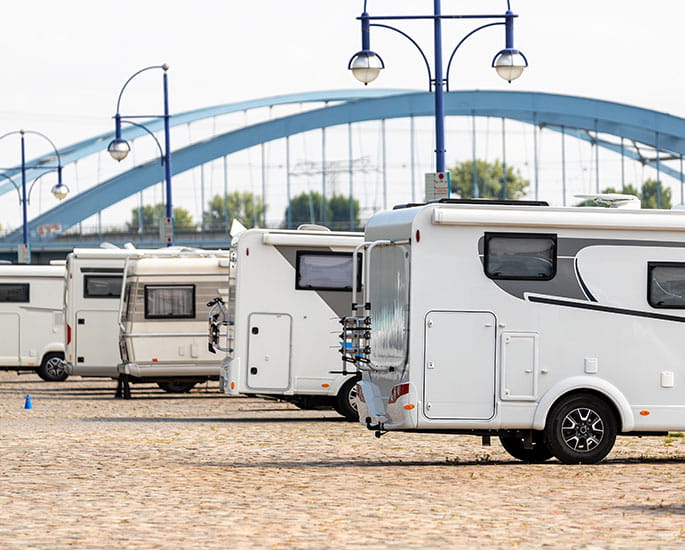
[312, 227]
[613, 200]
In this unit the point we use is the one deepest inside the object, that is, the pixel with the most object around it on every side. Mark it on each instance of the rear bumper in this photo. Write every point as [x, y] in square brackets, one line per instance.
[400, 415]
[228, 378]
[90, 371]
[137, 370]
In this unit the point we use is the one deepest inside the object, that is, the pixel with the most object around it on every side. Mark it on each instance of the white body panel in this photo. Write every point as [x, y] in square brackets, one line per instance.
[34, 327]
[512, 348]
[158, 348]
[284, 339]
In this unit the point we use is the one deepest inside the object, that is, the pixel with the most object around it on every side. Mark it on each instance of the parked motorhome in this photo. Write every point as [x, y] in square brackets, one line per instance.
[91, 309]
[163, 318]
[287, 290]
[554, 328]
[31, 320]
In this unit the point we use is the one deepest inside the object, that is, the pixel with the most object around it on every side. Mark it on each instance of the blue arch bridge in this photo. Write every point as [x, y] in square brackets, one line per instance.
[653, 139]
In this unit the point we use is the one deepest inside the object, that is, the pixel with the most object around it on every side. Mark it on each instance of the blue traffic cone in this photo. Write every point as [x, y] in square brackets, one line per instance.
[27, 403]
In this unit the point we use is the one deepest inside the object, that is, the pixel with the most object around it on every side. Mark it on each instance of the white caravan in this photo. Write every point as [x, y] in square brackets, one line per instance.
[554, 328]
[287, 290]
[31, 320]
[163, 318]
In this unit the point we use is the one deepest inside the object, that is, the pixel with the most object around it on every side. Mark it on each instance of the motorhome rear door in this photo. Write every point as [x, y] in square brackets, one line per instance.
[97, 338]
[459, 365]
[268, 351]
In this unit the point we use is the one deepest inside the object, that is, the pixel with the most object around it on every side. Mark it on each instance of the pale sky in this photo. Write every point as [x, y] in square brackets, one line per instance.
[64, 62]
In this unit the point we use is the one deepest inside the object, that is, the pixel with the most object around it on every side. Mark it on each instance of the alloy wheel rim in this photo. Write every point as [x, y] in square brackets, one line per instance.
[55, 367]
[582, 430]
[352, 394]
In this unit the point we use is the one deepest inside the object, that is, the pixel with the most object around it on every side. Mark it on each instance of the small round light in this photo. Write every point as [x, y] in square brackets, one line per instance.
[118, 149]
[366, 66]
[509, 64]
[60, 191]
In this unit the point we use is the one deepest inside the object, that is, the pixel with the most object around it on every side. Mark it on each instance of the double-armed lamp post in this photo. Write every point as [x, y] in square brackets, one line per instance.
[59, 190]
[366, 64]
[119, 148]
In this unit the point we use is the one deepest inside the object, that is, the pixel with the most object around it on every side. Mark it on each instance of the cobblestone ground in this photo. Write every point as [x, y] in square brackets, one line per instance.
[84, 470]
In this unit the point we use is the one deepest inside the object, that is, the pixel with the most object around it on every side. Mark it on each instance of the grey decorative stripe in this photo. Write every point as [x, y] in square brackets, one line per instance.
[606, 309]
[568, 282]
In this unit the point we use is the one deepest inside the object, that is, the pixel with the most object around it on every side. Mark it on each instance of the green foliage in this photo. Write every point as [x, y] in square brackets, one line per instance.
[489, 178]
[307, 208]
[243, 206]
[152, 215]
[647, 195]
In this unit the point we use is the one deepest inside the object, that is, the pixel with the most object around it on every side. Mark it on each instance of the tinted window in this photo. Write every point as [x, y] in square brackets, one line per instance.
[169, 301]
[520, 256]
[324, 271]
[14, 292]
[666, 285]
[102, 286]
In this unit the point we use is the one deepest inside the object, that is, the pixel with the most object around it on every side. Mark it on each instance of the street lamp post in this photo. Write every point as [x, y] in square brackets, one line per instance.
[366, 64]
[119, 148]
[59, 190]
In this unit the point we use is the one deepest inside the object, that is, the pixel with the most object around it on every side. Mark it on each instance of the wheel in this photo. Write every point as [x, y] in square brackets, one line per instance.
[177, 387]
[513, 444]
[581, 429]
[345, 404]
[52, 368]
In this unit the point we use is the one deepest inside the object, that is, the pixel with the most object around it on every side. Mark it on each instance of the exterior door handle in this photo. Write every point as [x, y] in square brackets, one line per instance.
[253, 370]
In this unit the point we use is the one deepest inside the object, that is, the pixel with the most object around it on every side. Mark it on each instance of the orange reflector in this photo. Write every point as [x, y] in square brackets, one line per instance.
[644, 413]
[325, 385]
[409, 406]
[31, 364]
[154, 359]
[232, 385]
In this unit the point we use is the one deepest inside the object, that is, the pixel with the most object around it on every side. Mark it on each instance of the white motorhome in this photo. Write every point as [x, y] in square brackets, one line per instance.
[554, 328]
[163, 318]
[31, 320]
[287, 290]
[91, 308]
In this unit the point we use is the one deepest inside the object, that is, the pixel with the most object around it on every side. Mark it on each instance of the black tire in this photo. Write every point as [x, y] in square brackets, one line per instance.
[581, 429]
[176, 387]
[344, 402]
[52, 368]
[513, 444]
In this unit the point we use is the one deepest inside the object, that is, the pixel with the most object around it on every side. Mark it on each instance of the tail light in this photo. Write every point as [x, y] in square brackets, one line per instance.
[397, 392]
[68, 334]
[360, 393]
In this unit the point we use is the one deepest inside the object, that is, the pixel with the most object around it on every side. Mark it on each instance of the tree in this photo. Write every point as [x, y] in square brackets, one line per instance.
[306, 208]
[152, 215]
[647, 195]
[489, 180]
[243, 206]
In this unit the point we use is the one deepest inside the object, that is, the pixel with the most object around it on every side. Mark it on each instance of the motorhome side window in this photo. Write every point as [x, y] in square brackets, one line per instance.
[666, 282]
[324, 271]
[520, 256]
[14, 292]
[169, 301]
[102, 286]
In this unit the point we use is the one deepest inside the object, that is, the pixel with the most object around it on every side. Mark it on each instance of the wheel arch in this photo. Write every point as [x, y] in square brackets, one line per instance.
[583, 385]
[52, 347]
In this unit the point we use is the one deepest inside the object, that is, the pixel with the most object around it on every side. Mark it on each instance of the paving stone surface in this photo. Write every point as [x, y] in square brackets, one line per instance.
[203, 470]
